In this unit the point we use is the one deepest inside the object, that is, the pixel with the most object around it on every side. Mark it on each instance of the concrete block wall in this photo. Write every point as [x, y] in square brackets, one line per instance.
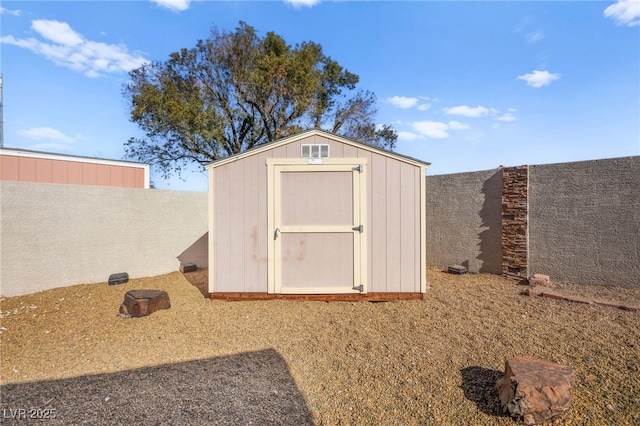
[464, 220]
[59, 235]
[584, 221]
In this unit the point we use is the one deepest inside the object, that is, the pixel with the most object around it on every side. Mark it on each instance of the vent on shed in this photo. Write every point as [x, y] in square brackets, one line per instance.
[314, 151]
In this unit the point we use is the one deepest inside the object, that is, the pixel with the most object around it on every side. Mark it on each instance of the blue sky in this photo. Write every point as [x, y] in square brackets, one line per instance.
[467, 85]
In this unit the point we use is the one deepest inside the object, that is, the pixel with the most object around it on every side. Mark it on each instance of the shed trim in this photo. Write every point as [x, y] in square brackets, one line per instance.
[423, 230]
[316, 132]
[336, 297]
[212, 235]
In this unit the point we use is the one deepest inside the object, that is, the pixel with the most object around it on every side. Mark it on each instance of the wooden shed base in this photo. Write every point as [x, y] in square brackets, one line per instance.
[368, 297]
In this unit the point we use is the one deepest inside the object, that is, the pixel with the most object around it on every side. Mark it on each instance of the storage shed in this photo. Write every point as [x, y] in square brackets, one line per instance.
[320, 217]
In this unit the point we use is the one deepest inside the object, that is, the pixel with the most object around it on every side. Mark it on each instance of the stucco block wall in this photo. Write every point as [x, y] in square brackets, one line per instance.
[584, 221]
[60, 235]
[464, 220]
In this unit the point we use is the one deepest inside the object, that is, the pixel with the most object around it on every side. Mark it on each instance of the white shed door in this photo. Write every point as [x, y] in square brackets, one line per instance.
[318, 230]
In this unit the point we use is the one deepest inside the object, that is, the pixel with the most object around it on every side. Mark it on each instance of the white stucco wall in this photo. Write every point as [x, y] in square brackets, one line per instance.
[59, 235]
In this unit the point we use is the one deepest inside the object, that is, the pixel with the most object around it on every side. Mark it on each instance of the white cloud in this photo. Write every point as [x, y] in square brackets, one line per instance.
[407, 136]
[423, 107]
[508, 117]
[402, 102]
[535, 36]
[47, 133]
[52, 139]
[67, 48]
[57, 32]
[432, 129]
[467, 111]
[539, 78]
[456, 125]
[175, 5]
[624, 12]
[302, 3]
[10, 12]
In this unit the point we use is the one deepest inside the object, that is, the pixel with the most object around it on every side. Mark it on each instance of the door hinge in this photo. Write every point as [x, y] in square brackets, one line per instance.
[359, 228]
[359, 168]
[360, 288]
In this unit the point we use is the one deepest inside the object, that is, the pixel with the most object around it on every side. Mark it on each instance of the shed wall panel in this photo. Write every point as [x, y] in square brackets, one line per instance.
[236, 230]
[393, 226]
[407, 227]
[221, 235]
[251, 220]
[293, 150]
[349, 151]
[377, 199]
[263, 231]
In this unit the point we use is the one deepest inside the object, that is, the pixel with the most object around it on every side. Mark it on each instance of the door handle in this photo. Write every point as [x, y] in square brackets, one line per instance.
[276, 234]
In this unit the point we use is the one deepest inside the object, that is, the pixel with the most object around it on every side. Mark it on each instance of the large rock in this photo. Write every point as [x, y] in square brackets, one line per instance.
[139, 303]
[535, 390]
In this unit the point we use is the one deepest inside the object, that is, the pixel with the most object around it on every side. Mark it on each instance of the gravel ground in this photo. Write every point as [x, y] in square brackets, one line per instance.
[282, 362]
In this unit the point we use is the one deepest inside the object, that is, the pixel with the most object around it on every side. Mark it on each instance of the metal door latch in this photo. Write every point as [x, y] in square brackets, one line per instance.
[360, 288]
[276, 234]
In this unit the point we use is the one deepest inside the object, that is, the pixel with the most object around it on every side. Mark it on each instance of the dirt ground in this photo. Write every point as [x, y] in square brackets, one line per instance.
[67, 356]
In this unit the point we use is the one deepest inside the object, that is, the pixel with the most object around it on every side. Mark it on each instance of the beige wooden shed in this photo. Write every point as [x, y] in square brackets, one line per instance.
[317, 216]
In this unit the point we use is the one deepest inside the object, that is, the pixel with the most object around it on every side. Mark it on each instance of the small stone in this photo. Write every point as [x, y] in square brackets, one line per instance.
[588, 359]
[542, 277]
[536, 282]
[536, 291]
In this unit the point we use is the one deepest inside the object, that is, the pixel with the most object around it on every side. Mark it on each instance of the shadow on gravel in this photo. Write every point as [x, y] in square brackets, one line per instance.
[200, 280]
[248, 388]
[479, 386]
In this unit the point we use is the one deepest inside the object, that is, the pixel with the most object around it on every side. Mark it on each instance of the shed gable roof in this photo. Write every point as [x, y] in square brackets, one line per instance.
[316, 132]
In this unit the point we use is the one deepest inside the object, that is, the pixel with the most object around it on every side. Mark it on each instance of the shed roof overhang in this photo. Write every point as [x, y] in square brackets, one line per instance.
[322, 133]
